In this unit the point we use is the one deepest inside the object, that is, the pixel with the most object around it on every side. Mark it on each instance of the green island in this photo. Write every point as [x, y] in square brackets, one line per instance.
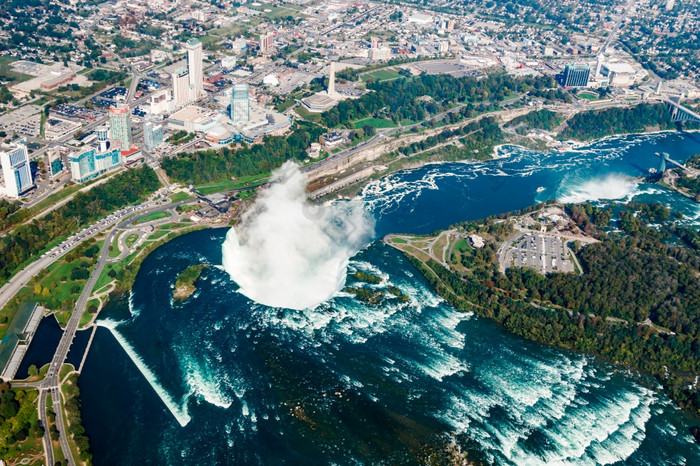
[633, 301]
[367, 278]
[373, 295]
[366, 295]
[185, 282]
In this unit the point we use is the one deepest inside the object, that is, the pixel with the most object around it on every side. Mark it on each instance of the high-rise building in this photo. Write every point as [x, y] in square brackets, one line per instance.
[194, 69]
[375, 42]
[120, 127]
[240, 104]
[152, 135]
[181, 87]
[576, 75]
[331, 80]
[267, 41]
[103, 138]
[381, 53]
[89, 163]
[598, 65]
[16, 172]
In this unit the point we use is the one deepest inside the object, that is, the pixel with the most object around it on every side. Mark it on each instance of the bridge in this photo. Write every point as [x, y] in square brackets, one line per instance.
[666, 159]
[678, 111]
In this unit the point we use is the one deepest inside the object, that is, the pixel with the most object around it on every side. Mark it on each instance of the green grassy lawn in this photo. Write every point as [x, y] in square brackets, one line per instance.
[587, 95]
[54, 288]
[307, 115]
[158, 235]
[281, 12]
[153, 216]
[384, 74]
[375, 122]
[181, 196]
[227, 185]
[462, 245]
[247, 194]
[131, 239]
[6, 70]
[104, 278]
[87, 315]
[49, 201]
[114, 252]
[285, 105]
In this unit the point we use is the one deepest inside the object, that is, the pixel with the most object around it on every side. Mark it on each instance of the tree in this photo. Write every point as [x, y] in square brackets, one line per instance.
[33, 371]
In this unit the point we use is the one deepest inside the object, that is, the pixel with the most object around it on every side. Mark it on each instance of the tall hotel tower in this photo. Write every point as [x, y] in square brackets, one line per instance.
[240, 104]
[194, 69]
[188, 83]
[120, 126]
[16, 173]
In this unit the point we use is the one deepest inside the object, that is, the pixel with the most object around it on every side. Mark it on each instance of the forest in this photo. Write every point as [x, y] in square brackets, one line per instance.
[600, 123]
[211, 165]
[18, 419]
[539, 119]
[30, 239]
[635, 304]
[418, 98]
[478, 138]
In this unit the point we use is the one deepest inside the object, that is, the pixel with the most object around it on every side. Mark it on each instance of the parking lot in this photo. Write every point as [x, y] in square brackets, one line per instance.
[542, 252]
[76, 112]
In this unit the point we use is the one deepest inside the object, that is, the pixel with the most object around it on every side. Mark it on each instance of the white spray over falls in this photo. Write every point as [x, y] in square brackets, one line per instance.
[290, 253]
[612, 186]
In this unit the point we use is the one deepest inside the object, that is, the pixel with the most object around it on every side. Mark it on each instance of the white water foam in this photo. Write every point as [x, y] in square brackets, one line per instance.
[178, 411]
[609, 187]
[206, 386]
[290, 254]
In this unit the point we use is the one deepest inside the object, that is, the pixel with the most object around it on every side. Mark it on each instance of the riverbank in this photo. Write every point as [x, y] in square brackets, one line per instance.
[557, 309]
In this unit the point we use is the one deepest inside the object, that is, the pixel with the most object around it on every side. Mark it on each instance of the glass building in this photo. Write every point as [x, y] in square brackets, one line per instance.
[240, 104]
[576, 75]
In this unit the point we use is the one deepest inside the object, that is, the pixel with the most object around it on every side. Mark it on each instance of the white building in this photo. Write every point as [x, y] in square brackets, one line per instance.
[91, 163]
[420, 19]
[267, 41]
[194, 69]
[161, 102]
[382, 53]
[181, 87]
[240, 104]
[152, 135]
[16, 172]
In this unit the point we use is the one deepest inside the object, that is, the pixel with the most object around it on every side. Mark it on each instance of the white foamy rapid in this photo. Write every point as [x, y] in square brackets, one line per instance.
[609, 187]
[178, 411]
[289, 253]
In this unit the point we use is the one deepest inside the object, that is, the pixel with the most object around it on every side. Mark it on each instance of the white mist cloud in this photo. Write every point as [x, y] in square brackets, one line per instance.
[290, 253]
[612, 186]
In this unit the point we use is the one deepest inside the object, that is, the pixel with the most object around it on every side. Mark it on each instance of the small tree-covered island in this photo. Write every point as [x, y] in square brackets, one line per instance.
[185, 283]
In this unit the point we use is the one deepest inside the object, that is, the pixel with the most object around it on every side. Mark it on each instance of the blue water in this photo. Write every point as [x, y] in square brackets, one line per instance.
[42, 347]
[222, 380]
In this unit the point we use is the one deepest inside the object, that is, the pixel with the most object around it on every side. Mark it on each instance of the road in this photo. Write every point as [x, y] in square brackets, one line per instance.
[51, 381]
[616, 29]
[22, 278]
[48, 447]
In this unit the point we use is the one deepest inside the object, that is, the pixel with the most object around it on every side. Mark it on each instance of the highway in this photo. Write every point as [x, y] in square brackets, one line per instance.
[51, 381]
[19, 280]
[48, 448]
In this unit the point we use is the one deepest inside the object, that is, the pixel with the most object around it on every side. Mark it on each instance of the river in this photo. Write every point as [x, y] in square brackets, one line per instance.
[223, 380]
